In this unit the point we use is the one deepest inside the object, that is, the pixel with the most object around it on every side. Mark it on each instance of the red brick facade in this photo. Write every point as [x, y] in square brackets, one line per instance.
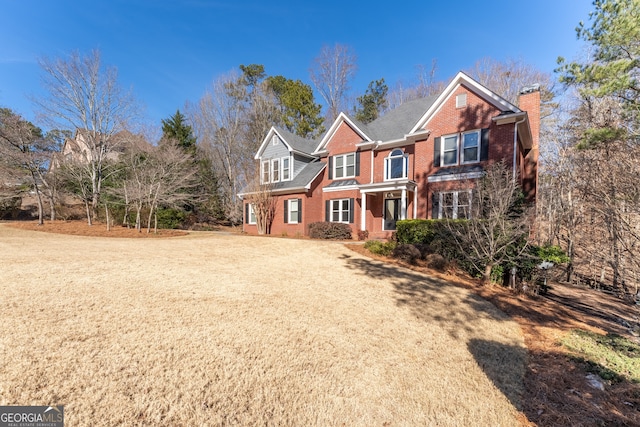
[504, 126]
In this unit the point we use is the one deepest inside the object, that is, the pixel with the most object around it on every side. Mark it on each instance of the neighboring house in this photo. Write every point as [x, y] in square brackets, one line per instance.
[416, 161]
[78, 151]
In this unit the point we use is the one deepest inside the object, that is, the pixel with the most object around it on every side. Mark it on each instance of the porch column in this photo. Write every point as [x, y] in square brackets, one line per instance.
[363, 212]
[415, 203]
[403, 204]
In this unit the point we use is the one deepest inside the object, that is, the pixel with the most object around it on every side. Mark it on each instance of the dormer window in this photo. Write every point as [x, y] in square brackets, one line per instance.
[286, 169]
[275, 170]
[396, 165]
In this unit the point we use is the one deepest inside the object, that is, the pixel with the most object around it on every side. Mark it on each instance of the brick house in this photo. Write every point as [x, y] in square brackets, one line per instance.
[416, 161]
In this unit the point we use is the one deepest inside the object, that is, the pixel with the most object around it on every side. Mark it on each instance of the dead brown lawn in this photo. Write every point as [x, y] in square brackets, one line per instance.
[213, 329]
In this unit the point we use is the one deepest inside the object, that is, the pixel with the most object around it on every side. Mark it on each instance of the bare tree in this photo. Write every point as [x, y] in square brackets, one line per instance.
[85, 96]
[25, 152]
[231, 120]
[498, 226]
[263, 203]
[426, 85]
[331, 74]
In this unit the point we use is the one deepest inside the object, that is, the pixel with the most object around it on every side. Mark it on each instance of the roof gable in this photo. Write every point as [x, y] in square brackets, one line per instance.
[357, 127]
[294, 143]
[481, 91]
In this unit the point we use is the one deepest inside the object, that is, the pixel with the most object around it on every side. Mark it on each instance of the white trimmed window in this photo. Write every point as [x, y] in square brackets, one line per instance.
[340, 210]
[251, 214]
[460, 148]
[396, 165]
[454, 204]
[265, 172]
[294, 211]
[471, 147]
[344, 166]
[275, 170]
[450, 150]
[275, 140]
[286, 169]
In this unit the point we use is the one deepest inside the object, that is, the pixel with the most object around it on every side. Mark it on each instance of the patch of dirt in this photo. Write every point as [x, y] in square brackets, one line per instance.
[81, 228]
[557, 391]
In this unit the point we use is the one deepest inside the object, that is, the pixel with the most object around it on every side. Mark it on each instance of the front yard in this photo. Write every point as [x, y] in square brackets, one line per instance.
[212, 329]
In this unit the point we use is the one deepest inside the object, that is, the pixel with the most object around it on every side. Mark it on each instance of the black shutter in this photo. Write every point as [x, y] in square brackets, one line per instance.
[352, 208]
[484, 145]
[246, 213]
[331, 167]
[327, 213]
[436, 152]
[286, 219]
[357, 163]
[299, 210]
[435, 205]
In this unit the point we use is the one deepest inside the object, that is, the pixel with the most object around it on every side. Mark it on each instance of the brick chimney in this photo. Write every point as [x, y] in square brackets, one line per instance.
[529, 101]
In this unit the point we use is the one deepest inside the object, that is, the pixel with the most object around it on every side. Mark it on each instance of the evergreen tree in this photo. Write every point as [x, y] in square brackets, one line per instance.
[614, 69]
[300, 113]
[373, 102]
[176, 129]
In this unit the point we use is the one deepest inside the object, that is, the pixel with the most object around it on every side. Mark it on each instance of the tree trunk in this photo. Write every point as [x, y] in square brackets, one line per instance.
[106, 212]
[486, 276]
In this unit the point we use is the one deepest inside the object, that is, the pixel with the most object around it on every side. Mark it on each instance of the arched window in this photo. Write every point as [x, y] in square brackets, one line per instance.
[396, 165]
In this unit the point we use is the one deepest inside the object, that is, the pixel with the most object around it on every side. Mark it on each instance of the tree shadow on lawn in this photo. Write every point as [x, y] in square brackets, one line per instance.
[458, 312]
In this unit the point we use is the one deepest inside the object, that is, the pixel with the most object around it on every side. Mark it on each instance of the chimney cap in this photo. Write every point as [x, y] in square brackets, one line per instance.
[529, 89]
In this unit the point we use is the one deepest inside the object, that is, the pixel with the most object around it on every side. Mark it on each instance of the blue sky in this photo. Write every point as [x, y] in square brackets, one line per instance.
[169, 51]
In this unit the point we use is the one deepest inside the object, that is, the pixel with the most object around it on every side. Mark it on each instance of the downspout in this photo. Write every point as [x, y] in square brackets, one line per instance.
[515, 145]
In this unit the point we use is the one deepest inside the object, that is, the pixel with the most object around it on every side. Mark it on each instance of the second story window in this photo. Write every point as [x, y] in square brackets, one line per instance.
[470, 147]
[266, 175]
[286, 169]
[344, 166]
[461, 148]
[275, 170]
[450, 150]
[395, 165]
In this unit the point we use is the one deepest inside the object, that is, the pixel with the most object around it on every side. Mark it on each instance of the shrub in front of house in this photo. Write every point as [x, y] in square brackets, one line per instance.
[407, 253]
[436, 262]
[380, 248]
[330, 231]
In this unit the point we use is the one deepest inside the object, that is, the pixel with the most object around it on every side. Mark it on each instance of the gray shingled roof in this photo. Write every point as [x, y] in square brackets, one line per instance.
[304, 178]
[298, 143]
[398, 122]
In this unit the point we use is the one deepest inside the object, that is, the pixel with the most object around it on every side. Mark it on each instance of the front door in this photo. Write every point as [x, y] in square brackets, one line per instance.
[391, 213]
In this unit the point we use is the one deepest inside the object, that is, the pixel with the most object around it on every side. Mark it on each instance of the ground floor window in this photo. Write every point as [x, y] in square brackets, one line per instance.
[339, 210]
[292, 211]
[250, 216]
[452, 204]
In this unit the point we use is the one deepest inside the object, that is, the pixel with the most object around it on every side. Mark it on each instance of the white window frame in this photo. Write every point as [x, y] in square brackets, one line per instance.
[290, 209]
[459, 158]
[286, 172]
[388, 162]
[463, 158]
[340, 210]
[275, 140]
[275, 170]
[443, 150]
[345, 165]
[252, 215]
[455, 205]
[265, 170]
